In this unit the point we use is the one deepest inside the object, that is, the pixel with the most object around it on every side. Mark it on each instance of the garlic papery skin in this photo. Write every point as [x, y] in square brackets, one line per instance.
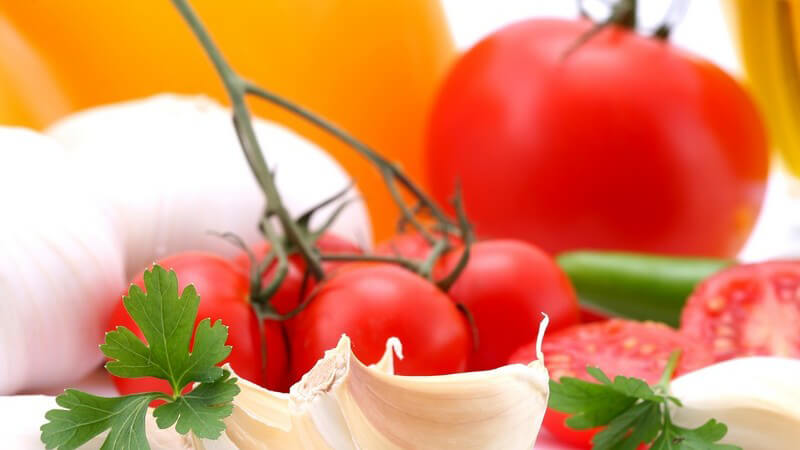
[61, 265]
[172, 168]
[758, 398]
[343, 404]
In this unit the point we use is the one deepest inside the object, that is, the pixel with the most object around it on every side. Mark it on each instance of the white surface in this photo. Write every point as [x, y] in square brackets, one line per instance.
[703, 29]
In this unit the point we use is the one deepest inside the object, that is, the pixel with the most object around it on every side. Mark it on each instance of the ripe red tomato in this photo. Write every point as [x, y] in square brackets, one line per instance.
[371, 303]
[289, 293]
[751, 309]
[223, 290]
[507, 285]
[625, 143]
[409, 244]
[618, 347]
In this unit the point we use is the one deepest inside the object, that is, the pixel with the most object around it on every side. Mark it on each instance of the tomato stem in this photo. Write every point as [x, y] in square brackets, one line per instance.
[386, 166]
[236, 88]
[404, 262]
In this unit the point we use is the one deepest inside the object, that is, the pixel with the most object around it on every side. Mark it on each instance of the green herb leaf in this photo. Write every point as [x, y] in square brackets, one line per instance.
[86, 416]
[632, 412]
[590, 404]
[701, 438]
[167, 323]
[201, 410]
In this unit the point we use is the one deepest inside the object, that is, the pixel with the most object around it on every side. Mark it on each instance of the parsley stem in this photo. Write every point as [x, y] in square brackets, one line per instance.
[669, 370]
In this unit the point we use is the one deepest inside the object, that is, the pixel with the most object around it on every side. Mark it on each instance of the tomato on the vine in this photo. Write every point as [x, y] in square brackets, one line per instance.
[506, 286]
[296, 285]
[224, 294]
[751, 309]
[617, 347]
[410, 244]
[619, 142]
[371, 303]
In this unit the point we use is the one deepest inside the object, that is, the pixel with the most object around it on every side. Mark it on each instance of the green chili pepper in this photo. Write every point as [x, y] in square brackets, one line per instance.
[636, 285]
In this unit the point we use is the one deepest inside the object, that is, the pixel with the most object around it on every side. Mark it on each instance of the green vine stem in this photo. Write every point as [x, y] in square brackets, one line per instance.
[296, 236]
[236, 88]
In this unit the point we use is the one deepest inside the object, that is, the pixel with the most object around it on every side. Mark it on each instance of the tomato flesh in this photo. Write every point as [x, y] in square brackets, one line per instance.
[618, 347]
[370, 304]
[751, 309]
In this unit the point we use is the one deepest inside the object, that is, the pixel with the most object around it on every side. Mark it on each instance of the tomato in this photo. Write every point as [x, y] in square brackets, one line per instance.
[370, 66]
[410, 244]
[751, 309]
[291, 291]
[30, 95]
[625, 143]
[507, 285]
[223, 290]
[370, 304]
[618, 347]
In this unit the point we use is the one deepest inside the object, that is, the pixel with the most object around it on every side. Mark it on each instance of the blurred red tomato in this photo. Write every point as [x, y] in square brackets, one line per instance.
[625, 142]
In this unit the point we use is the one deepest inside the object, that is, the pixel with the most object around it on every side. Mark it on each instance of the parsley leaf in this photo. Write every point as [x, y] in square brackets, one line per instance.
[166, 319]
[200, 410]
[88, 415]
[632, 412]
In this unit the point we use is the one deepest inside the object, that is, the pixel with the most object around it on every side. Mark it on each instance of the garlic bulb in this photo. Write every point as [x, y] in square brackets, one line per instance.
[758, 398]
[343, 404]
[20, 429]
[173, 170]
[60, 265]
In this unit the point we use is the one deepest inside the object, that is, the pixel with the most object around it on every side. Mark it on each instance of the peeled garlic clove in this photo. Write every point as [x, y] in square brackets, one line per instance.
[758, 398]
[343, 404]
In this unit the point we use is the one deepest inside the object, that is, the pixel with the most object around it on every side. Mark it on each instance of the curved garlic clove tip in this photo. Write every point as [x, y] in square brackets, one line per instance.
[758, 398]
[343, 404]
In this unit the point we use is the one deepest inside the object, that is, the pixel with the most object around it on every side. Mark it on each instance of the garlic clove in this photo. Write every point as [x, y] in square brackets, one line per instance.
[343, 404]
[758, 398]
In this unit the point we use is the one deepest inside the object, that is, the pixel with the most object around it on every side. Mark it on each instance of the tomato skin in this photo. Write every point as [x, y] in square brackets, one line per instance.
[507, 285]
[618, 347]
[223, 291]
[289, 293]
[747, 310]
[371, 303]
[625, 144]
[410, 244]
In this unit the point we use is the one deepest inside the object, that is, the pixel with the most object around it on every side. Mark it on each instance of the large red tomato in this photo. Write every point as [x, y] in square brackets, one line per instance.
[370, 304]
[625, 142]
[223, 290]
[618, 347]
[752, 309]
[507, 285]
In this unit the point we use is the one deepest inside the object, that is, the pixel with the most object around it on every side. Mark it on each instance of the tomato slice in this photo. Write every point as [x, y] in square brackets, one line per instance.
[618, 347]
[751, 309]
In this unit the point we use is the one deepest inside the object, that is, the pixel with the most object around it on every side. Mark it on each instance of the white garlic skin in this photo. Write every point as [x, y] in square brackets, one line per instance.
[758, 398]
[61, 265]
[173, 170]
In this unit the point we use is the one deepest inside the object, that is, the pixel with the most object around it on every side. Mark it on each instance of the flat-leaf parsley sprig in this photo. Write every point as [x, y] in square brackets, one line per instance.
[166, 319]
[632, 411]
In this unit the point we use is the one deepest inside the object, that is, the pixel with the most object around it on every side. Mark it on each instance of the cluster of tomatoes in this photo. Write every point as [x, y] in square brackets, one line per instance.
[492, 309]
